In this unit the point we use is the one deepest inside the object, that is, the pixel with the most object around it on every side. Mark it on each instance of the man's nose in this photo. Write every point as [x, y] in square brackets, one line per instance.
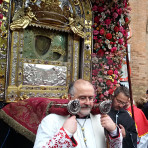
[87, 101]
[121, 106]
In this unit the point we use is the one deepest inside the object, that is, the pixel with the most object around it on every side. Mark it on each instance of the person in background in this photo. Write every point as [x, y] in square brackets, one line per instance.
[141, 125]
[145, 106]
[147, 93]
[83, 130]
[140, 102]
[122, 118]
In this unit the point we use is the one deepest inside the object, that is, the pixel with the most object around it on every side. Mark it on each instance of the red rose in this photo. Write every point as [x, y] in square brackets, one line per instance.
[94, 72]
[116, 29]
[107, 21]
[110, 61]
[96, 19]
[109, 72]
[95, 8]
[101, 96]
[120, 41]
[126, 19]
[109, 36]
[119, 11]
[108, 82]
[95, 32]
[101, 53]
[119, 66]
[95, 37]
[100, 9]
[114, 49]
[102, 31]
[111, 91]
[115, 82]
[125, 45]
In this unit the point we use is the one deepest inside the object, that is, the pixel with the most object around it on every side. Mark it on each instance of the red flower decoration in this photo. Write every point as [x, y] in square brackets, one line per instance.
[110, 39]
[119, 66]
[95, 32]
[109, 36]
[100, 9]
[111, 91]
[116, 29]
[101, 96]
[119, 11]
[108, 82]
[109, 72]
[95, 72]
[102, 31]
[101, 53]
[120, 41]
[107, 21]
[114, 49]
[126, 19]
[95, 8]
[110, 62]
[115, 82]
[96, 19]
[95, 38]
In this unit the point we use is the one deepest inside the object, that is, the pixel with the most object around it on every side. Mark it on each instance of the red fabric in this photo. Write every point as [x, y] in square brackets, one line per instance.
[30, 112]
[140, 120]
[95, 110]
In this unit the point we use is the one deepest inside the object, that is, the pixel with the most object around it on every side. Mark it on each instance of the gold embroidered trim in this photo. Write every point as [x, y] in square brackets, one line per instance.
[16, 126]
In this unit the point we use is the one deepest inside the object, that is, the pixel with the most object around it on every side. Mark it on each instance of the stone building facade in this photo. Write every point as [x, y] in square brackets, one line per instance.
[139, 47]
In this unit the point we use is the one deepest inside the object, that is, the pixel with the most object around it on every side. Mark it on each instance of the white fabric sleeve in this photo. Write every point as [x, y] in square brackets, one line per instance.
[68, 133]
[117, 141]
[114, 133]
[51, 134]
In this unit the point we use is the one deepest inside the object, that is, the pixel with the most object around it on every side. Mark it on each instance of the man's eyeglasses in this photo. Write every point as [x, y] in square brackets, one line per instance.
[120, 102]
[84, 98]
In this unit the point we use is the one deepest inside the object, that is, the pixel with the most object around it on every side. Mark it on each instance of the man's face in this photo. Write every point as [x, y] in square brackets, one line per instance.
[85, 94]
[120, 101]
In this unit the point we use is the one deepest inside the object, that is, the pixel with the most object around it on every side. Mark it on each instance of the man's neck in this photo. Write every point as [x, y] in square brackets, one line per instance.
[83, 117]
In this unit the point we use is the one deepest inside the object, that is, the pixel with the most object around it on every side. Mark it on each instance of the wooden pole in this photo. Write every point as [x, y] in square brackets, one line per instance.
[129, 81]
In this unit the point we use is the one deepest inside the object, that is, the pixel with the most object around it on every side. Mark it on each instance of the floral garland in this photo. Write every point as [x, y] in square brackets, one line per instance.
[110, 32]
[1, 15]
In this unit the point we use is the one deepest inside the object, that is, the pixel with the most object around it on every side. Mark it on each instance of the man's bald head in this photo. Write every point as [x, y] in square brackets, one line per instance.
[79, 84]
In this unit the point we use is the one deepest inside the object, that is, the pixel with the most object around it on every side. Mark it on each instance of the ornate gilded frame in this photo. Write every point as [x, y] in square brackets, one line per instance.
[16, 81]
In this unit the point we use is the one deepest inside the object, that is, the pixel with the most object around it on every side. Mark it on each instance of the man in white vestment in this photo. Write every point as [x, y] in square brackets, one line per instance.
[81, 131]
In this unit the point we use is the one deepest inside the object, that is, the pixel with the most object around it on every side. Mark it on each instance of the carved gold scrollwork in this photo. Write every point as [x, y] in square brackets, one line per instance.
[24, 21]
[76, 2]
[24, 97]
[77, 26]
[64, 97]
